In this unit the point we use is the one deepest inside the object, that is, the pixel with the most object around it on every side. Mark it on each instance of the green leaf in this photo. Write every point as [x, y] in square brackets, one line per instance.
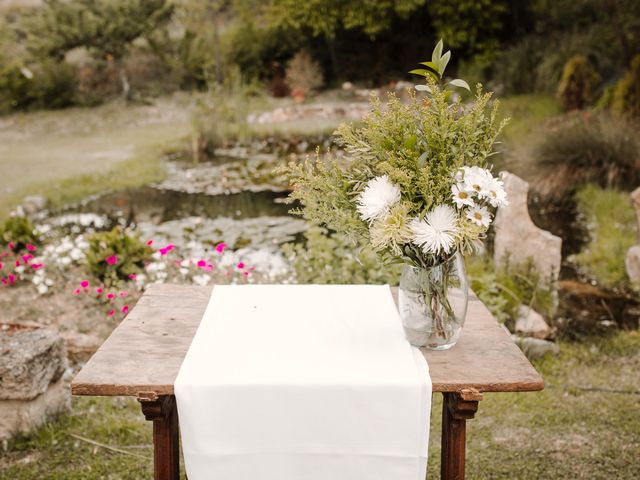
[437, 53]
[444, 61]
[458, 82]
[423, 88]
[421, 71]
[410, 142]
[430, 65]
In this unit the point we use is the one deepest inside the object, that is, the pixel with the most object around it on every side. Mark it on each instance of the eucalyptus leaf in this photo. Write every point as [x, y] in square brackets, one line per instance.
[458, 82]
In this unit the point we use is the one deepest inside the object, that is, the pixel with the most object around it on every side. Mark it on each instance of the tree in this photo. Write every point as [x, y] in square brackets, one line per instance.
[325, 17]
[106, 28]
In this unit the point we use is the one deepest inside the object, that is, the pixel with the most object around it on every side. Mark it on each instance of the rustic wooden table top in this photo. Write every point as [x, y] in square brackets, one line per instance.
[144, 353]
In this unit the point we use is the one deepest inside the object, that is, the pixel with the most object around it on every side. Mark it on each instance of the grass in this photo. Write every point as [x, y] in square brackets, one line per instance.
[68, 154]
[612, 229]
[527, 113]
[580, 427]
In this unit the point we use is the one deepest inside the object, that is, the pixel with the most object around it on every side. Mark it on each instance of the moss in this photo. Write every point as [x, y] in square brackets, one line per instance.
[611, 223]
[626, 96]
[577, 84]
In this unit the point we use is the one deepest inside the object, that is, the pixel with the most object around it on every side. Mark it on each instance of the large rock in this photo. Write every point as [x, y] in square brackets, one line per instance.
[535, 348]
[531, 324]
[518, 240]
[22, 416]
[30, 361]
[632, 264]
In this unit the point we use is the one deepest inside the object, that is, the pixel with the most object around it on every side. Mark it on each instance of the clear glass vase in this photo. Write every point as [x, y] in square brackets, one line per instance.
[433, 303]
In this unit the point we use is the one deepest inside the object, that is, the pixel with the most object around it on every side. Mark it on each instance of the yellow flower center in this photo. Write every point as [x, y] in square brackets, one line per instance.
[463, 195]
[477, 215]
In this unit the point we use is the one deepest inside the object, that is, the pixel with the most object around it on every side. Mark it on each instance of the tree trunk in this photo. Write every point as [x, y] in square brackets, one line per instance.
[331, 44]
[124, 80]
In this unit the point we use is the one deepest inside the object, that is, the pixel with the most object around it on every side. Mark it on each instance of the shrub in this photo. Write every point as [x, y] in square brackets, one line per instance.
[578, 83]
[611, 222]
[585, 149]
[503, 290]
[626, 96]
[116, 255]
[332, 258]
[19, 231]
[304, 74]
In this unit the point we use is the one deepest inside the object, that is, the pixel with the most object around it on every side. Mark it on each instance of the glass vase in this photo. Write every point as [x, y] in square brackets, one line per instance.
[433, 303]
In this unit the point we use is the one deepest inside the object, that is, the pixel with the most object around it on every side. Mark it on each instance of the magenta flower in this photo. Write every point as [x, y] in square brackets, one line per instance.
[99, 291]
[77, 291]
[240, 265]
[133, 276]
[12, 246]
[5, 281]
[164, 250]
[125, 309]
[124, 294]
[26, 258]
[111, 312]
[208, 267]
[37, 266]
[202, 263]
[220, 247]
[111, 260]
[12, 278]
[17, 263]
[84, 284]
[1, 265]
[149, 243]
[110, 296]
[30, 247]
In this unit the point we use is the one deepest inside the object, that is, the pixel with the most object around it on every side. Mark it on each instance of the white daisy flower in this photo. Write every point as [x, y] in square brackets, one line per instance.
[480, 216]
[496, 194]
[377, 198]
[461, 196]
[437, 232]
[476, 179]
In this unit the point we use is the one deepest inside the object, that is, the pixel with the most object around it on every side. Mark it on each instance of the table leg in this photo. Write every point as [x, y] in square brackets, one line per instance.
[457, 408]
[166, 450]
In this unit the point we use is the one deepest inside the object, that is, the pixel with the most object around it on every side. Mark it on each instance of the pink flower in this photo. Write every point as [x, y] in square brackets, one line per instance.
[149, 243]
[99, 291]
[202, 263]
[26, 258]
[246, 274]
[220, 247]
[163, 251]
[37, 266]
[124, 294]
[111, 260]
[1, 265]
[111, 312]
[125, 309]
[30, 247]
[133, 276]
[5, 281]
[17, 263]
[84, 284]
[111, 296]
[12, 246]
[77, 291]
[12, 278]
[240, 265]
[208, 267]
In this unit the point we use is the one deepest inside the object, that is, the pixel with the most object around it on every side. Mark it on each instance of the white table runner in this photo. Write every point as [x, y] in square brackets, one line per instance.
[303, 382]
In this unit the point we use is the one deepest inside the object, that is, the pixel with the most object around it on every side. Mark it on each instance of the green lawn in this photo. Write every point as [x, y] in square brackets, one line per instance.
[582, 426]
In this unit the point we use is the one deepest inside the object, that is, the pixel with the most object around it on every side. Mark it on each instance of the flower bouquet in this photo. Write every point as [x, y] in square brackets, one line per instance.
[416, 186]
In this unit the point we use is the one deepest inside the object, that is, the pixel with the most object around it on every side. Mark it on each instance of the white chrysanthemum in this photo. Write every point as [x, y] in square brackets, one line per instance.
[496, 194]
[461, 196]
[437, 232]
[480, 216]
[377, 198]
[476, 179]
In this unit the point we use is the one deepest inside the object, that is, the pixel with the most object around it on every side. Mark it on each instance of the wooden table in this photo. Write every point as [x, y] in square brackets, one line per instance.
[142, 357]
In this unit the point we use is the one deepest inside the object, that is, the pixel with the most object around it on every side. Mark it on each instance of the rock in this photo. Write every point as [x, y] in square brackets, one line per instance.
[30, 360]
[21, 416]
[34, 204]
[81, 346]
[535, 348]
[531, 324]
[635, 200]
[518, 240]
[632, 263]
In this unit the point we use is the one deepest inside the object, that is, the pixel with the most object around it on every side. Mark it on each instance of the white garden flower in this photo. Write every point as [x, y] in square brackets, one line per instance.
[477, 179]
[461, 196]
[437, 232]
[377, 198]
[480, 216]
[496, 194]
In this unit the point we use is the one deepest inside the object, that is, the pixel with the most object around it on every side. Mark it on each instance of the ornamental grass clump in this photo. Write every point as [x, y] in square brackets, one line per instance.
[416, 185]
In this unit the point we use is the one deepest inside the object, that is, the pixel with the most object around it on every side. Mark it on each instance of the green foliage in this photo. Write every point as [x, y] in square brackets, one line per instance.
[18, 230]
[419, 145]
[578, 84]
[587, 148]
[472, 26]
[611, 222]
[626, 96]
[332, 258]
[435, 69]
[304, 74]
[131, 255]
[503, 290]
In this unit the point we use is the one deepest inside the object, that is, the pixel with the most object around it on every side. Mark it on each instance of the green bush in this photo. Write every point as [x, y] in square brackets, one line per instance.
[503, 290]
[47, 85]
[578, 83]
[130, 255]
[332, 258]
[626, 96]
[20, 231]
[584, 149]
[611, 222]
[304, 74]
